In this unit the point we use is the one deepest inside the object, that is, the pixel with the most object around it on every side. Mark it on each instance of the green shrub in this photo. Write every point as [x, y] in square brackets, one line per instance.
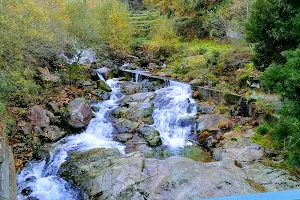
[262, 129]
[273, 26]
[191, 27]
[212, 58]
[164, 41]
[18, 88]
[75, 72]
[284, 79]
[112, 23]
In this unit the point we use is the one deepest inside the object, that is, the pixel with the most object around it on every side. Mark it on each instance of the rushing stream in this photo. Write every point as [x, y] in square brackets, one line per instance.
[41, 179]
[173, 107]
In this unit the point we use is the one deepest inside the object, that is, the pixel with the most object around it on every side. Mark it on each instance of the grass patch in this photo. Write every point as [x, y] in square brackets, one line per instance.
[208, 44]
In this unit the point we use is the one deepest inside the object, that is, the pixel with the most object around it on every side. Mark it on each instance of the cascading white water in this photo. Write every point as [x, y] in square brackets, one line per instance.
[82, 56]
[137, 77]
[100, 75]
[173, 107]
[42, 178]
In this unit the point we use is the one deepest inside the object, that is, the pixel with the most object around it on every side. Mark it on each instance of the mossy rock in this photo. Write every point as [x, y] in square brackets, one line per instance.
[102, 85]
[151, 135]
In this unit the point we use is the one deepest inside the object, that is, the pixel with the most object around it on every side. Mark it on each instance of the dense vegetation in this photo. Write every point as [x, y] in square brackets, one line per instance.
[273, 27]
[35, 33]
[214, 43]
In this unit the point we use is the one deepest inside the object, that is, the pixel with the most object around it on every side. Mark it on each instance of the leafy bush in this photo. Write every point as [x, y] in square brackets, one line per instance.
[212, 58]
[273, 26]
[262, 129]
[285, 80]
[164, 40]
[215, 25]
[18, 88]
[75, 72]
[111, 19]
[191, 27]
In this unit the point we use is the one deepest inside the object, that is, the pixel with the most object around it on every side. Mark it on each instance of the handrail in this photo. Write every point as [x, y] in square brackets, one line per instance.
[283, 195]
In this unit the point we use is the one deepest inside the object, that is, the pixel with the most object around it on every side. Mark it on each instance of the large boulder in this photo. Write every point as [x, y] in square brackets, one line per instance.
[38, 116]
[79, 113]
[131, 88]
[102, 85]
[104, 174]
[210, 122]
[53, 107]
[238, 146]
[105, 72]
[151, 135]
[52, 133]
[137, 107]
[50, 80]
[270, 178]
[75, 168]
[125, 126]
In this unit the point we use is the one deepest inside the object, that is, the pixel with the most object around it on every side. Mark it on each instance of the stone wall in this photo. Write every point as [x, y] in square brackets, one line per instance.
[204, 93]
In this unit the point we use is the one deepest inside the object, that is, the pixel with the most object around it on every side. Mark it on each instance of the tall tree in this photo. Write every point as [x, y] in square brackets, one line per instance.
[273, 27]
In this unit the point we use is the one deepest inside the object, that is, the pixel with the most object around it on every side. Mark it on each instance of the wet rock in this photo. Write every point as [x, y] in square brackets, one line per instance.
[149, 86]
[106, 72]
[151, 135]
[38, 116]
[135, 177]
[95, 108]
[125, 126]
[210, 122]
[93, 74]
[102, 85]
[105, 96]
[85, 165]
[26, 191]
[124, 137]
[78, 113]
[120, 112]
[205, 109]
[43, 152]
[141, 97]
[131, 88]
[52, 133]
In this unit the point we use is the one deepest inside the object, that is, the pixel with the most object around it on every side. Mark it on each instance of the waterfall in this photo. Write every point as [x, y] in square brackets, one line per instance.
[137, 77]
[42, 178]
[173, 107]
[82, 57]
[100, 75]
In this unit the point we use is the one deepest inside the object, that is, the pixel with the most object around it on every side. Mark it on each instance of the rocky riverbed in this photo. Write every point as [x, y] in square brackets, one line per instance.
[140, 140]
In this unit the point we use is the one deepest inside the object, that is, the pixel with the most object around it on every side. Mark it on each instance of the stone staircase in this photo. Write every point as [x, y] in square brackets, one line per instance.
[143, 22]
